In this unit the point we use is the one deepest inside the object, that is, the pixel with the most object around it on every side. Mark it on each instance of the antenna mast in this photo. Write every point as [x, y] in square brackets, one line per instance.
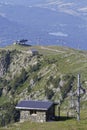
[78, 98]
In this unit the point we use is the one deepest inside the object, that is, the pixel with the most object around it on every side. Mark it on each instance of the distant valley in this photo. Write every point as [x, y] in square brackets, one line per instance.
[49, 22]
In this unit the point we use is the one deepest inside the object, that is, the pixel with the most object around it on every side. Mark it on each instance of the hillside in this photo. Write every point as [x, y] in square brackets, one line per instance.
[50, 74]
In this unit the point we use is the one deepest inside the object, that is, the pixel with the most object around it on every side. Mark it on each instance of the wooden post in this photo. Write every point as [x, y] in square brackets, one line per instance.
[67, 114]
[58, 111]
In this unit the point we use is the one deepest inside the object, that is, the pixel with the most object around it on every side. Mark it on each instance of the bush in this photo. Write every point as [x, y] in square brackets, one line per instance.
[5, 59]
[35, 67]
[9, 115]
[1, 91]
[18, 80]
[49, 93]
[53, 81]
[68, 85]
[50, 60]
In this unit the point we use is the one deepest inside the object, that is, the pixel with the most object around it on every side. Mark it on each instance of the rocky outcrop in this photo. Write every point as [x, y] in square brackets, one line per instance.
[4, 62]
[35, 77]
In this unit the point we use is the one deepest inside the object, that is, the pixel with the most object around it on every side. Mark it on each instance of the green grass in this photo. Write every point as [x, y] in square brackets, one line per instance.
[69, 124]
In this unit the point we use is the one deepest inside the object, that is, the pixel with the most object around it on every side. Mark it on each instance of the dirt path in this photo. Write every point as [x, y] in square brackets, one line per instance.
[54, 50]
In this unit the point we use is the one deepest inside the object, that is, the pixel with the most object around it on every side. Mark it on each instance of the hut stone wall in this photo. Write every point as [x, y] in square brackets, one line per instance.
[39, 116]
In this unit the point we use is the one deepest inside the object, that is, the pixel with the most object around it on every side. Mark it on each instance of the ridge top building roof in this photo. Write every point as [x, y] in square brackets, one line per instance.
[34, 105]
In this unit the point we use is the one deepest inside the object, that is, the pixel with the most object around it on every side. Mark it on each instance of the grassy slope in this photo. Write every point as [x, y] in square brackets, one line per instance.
[64, 124]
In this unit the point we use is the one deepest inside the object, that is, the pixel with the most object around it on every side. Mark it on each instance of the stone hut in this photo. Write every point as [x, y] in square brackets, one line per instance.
[33, 52]
[20, 42]
[36, 111]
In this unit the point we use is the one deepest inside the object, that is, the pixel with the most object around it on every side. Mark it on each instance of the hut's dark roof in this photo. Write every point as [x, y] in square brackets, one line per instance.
[34, 105]
[23, 40]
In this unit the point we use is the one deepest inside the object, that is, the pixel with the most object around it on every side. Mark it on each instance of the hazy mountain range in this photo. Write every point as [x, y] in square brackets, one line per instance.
[48, 22]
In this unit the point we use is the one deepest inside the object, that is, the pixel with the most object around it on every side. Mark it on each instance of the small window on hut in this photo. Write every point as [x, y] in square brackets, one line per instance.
[33, 112]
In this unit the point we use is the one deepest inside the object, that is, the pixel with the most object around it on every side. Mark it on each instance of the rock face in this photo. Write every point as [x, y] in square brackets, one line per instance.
[4, 92]
[4, 62]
